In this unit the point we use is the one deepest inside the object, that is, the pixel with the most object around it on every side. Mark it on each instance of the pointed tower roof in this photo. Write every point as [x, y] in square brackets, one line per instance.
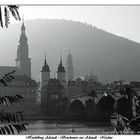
[60, 66]
[23, 39]
[45, 67]
[23, 26]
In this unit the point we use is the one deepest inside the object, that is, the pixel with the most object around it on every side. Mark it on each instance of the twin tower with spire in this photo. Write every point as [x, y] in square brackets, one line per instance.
[45, 73]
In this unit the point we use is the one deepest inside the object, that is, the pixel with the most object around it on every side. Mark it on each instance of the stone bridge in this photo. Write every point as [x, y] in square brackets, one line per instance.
[100, 109]
[84, 97]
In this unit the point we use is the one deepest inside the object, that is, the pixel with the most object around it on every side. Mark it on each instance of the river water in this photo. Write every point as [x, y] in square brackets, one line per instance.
[65, 128]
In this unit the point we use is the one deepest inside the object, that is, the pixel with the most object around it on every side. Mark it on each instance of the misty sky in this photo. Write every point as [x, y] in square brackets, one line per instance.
[120, 20]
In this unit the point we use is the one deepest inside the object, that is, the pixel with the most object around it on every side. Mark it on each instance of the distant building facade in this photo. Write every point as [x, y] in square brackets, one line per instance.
[24, 86]
[91, 77]
[80, 86]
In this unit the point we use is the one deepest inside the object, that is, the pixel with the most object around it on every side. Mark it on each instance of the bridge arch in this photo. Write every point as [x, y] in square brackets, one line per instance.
[106, 103]
[104, 109]
[77, 109]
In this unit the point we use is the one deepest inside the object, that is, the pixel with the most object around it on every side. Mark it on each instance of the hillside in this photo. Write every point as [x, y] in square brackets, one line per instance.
[109, 56]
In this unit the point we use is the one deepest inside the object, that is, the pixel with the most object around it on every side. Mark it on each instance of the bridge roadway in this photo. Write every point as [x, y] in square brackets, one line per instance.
[84, 97]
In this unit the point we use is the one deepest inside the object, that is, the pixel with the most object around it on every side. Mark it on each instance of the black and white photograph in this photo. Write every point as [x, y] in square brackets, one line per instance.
[69, 70]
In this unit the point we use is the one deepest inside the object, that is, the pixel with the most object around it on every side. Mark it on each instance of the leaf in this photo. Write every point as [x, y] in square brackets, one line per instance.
[13, 71]
[1, 22]
[3, 82]
[20, 97]
[6, 16]
[3, 130]
[15, 99]
[24, 128]
[15, 125]
[5, 102]
[7, 129]
[10, 99]
[17, 13]
[0, 132]
[6, 78]
[1, 100]
[12, 10]
[11, 129]
[18, 128]
[12, 77]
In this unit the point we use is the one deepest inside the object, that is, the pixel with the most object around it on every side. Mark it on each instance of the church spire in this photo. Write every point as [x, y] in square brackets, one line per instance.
[45, 68]
[60, 60]
[45, 73]
[60, 66]
[61, 71]
[45, 62]
[23, 39]
[23, 26]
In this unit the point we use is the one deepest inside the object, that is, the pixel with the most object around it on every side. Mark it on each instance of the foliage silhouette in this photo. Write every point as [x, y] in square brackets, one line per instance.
[131, 123]
[5, 12]
[10, 121]
[12, 118]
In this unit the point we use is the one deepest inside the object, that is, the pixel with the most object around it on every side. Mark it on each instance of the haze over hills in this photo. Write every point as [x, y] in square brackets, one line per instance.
[109, 56]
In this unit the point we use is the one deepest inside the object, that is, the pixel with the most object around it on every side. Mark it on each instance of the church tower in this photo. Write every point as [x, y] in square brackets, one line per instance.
[61, 72]
[45, 74]
[70, 74]
[23, 62]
